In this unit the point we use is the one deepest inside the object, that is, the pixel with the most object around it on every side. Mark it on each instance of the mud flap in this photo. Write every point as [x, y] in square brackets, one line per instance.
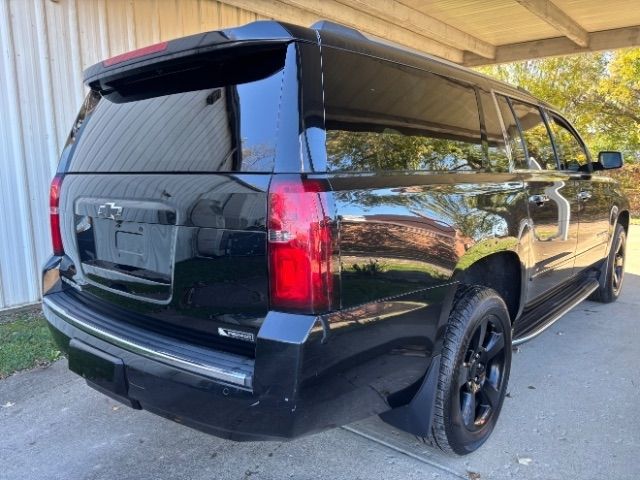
[416, 416]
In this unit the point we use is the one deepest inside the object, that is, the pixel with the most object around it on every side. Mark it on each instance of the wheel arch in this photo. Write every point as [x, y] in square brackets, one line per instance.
[624, 219]
[503, 271]
[618, 216]
[415, 414]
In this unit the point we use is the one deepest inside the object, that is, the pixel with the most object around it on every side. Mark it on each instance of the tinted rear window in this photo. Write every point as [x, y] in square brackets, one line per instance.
[208, 125]
[385, 116]
[498, 157]
[540, 153]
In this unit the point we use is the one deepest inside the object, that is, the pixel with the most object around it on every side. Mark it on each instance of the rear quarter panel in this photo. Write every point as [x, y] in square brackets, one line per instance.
[405, 232]
[403, 239]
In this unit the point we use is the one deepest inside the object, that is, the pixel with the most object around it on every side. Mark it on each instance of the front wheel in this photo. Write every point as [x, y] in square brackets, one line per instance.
[474, 371]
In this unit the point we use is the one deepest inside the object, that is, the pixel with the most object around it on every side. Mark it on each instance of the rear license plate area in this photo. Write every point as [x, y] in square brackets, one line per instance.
[133, 258]
[130, 243]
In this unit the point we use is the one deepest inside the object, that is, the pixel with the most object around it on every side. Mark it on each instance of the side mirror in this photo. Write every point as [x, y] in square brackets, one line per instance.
[609, 160]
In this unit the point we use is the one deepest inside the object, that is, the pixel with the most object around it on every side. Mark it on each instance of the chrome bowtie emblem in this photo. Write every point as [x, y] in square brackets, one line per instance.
[110, 210]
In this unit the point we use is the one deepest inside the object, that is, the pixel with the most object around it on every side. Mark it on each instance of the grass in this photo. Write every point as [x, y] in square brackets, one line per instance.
[635, 221]
[25, 341]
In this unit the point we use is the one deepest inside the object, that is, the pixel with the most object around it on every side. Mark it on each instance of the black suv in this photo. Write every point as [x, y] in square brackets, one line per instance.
[272, 230]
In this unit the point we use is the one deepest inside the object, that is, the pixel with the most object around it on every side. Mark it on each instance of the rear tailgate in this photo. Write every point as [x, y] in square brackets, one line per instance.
[164, 198]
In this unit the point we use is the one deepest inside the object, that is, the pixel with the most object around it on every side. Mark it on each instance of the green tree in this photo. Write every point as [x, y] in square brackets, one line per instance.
[619, 99]
[598, 92]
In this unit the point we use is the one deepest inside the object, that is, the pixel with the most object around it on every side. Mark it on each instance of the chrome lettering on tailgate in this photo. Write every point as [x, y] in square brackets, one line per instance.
[236, 334]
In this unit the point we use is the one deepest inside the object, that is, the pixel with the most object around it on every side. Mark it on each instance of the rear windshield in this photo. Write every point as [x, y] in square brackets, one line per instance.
[218, 118]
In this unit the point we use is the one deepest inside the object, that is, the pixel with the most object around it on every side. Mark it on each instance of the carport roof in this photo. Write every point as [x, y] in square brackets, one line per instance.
[474, 32]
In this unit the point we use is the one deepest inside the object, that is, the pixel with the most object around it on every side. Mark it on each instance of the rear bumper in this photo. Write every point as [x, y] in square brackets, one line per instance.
[221, 366]
[309, 373]
[210, 391]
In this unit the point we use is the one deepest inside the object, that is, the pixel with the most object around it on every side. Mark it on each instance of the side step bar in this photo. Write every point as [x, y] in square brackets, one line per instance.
[543, 316]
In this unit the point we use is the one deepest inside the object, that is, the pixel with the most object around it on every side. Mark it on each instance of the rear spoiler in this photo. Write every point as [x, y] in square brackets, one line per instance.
[261, 33]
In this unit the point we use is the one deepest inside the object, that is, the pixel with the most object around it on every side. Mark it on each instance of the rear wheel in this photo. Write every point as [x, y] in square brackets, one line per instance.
[611, 280]
[474, 371]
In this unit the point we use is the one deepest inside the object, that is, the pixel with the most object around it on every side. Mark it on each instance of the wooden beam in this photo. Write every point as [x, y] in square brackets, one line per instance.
[306, 12]
[547, 11]
[276, 10]
[406, 17]
[553, 47]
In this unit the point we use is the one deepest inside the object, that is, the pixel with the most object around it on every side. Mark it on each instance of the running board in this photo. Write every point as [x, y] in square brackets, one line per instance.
[549, 313]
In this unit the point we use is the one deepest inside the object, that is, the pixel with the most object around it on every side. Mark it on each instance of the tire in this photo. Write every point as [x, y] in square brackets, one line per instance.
[473, 381]
[612, 279]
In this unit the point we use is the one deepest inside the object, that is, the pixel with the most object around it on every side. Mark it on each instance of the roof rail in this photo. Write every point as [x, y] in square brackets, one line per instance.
[327, 26]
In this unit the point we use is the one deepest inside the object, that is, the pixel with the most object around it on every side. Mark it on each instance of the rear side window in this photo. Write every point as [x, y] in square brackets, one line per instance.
[219, 118]
[540, 153]
[383, 116]
[498, 158]
[514, 138]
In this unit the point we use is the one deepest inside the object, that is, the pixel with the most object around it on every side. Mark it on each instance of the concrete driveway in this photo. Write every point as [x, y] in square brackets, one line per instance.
[572, 413]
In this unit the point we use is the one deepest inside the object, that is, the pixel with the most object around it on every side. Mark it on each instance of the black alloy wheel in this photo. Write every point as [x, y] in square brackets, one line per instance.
[482, 374]
[617, 271]
[474, 371]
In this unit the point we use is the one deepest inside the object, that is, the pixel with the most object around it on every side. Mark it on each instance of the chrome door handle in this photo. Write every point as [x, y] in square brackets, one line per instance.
[539, 200]
[584, 195]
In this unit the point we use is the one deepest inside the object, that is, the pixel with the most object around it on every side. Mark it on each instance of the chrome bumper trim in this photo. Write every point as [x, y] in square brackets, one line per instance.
[233, 375]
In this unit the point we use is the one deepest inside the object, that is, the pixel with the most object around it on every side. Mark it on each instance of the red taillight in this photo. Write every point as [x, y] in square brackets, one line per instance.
[54, 214]
[300, 246]
[140, 52]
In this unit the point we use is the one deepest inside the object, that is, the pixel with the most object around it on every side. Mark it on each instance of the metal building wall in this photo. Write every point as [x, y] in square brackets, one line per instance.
[44, 46]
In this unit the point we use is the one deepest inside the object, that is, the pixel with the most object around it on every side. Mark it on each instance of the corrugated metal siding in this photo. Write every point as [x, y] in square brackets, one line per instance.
[44, 46]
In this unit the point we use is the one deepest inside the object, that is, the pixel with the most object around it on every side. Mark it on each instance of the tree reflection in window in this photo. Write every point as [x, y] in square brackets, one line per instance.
[571, 153]
[498, 157]
[393, 117]
[391, 150]
[536, 137]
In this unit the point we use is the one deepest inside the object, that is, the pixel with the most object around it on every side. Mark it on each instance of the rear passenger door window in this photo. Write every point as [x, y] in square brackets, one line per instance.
[385, 116]
[514, 139]
[571, 153]
[498, 157]
[539, 149]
